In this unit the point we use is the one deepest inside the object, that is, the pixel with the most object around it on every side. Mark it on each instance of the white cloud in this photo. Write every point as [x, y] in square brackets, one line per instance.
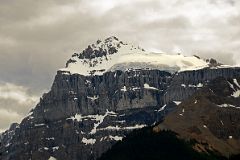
[14, 92]
[15, 103]
[8, 117]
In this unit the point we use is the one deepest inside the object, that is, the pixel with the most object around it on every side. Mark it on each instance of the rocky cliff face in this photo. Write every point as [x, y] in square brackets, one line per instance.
[184, 84]
[83, 115]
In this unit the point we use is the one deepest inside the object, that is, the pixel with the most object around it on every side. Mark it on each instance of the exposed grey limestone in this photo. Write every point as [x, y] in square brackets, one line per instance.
[82, 116]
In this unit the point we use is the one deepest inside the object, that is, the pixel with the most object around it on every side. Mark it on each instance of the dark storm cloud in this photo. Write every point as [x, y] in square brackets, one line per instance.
[37, 37]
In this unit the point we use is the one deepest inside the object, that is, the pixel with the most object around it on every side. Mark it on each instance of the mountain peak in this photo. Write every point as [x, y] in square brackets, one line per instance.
[101, 50]
[113, 54]
[111, 39]
[104, 47]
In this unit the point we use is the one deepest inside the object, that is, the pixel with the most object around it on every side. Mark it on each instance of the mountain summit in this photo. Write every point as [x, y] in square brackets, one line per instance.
[112, 54]
[112, 88]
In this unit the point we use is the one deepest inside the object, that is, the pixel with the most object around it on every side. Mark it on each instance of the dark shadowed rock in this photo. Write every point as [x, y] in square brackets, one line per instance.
[82, 116]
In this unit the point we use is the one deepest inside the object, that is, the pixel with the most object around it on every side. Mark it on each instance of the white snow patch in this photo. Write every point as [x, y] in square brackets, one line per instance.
[100, 119]
[227, 105]
[225, 66]
[236, 82]
[196, 101]
[77, 117]
[236, 94]
[116, 138]
[146, 86]
[51, 138]
[88, 82]
[230, 137]
[231, 85]
[37, 125]
[199, 85]
[103, 138]
[88, 141]
[111, 128]
[177, 102]
[111, 113]
[26, 143]
[124, 89]
[123, 128]
[30, 114]
[181, 114]
[8, 144]
[162, 108]
[55, 148]
[135, 88]
[123, 121]
[52, 158]
[66, 72]
[134, 127]
[204, 126]
[183, 85]
[95, 97]
[96, 117]
[129, 56]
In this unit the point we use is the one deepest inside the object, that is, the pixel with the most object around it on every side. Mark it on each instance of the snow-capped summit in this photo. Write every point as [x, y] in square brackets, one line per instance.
[103, 49]
[113, 54]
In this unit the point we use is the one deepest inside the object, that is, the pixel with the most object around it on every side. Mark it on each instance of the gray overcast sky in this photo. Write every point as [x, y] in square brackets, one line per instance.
[37, 37]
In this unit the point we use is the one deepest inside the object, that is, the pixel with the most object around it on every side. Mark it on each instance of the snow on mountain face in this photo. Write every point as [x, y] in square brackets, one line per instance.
[112, 54]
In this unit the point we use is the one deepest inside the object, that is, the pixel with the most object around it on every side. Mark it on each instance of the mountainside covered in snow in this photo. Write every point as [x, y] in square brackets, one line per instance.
[112, 54]
[103, 93]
